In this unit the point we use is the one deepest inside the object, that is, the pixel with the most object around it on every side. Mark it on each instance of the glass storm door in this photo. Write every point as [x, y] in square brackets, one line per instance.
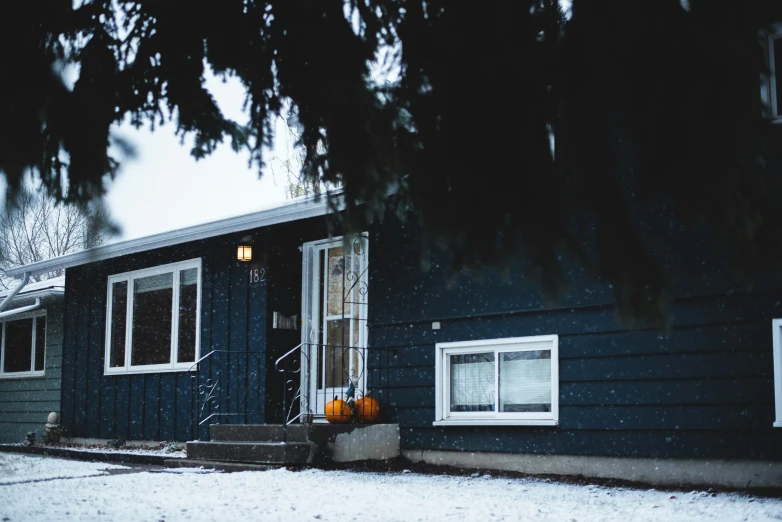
[335, 317]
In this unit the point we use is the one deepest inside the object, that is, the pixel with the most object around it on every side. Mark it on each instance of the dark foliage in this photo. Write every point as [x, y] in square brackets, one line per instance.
[655, 108]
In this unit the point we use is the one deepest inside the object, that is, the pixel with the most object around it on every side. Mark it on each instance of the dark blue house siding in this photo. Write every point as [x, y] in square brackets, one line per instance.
[704, 390]
[235, 321]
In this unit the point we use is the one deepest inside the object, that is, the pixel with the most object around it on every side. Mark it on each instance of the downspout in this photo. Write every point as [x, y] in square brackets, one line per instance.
[9, 297]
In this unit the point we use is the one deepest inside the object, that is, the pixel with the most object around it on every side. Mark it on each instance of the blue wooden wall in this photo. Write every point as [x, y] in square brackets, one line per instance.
[235, 316]
[162, 406]
[703, 390]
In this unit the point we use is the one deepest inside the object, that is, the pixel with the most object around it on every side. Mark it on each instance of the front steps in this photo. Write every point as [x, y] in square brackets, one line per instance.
[232, 447]
[268, 444]
[285, 453]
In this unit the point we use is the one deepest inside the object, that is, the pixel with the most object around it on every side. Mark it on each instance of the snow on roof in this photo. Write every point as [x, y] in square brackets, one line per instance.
[292, 210]
[55, 285]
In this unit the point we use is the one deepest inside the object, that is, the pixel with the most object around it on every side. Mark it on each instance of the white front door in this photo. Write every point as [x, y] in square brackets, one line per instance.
[334, 333]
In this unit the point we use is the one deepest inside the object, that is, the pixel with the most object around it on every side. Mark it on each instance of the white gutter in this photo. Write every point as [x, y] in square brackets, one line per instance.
[294, 210]
[23, 309]
[9, 297]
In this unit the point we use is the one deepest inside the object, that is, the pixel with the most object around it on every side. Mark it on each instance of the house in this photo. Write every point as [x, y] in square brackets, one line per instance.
[30, 357]
[225, 331]
[166, 335]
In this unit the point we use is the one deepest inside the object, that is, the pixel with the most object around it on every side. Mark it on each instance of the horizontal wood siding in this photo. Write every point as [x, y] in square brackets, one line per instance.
[25, 403]
[703, 390]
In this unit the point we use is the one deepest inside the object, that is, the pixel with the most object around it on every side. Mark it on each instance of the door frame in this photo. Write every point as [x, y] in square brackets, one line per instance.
[311, 398]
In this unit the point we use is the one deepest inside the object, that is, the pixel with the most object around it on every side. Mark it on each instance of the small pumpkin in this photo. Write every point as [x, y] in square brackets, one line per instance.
[338, 412]
[367, 409]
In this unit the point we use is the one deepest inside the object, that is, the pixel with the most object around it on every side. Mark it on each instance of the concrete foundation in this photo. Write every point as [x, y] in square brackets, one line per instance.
[743, 474]
[366, 442]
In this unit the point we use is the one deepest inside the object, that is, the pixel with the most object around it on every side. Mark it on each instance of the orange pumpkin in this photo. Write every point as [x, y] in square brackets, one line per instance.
[338, 412]
[367, 409]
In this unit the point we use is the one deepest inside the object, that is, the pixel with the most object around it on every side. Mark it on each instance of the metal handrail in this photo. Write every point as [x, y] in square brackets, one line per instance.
[211, 387]
[286, 411]
[289, 352]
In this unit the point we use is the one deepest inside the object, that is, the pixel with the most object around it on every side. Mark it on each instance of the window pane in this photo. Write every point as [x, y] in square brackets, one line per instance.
[336, 282]
[40, 343]
[119, 308]
[337, 364]
[525, 381]
[18, 346]
[188, 304]
[152, 303]
[472, 382]
[778, 73]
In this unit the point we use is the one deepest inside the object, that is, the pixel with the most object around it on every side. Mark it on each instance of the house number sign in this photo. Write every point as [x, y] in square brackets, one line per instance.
[257, 274]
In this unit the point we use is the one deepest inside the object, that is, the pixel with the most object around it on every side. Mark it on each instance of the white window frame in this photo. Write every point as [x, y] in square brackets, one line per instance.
[768, 84]
[443, 415]
[129, 277]
[776, 335]
[32, 373]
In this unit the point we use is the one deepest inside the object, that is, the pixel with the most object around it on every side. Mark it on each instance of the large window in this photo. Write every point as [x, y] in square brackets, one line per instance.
[23, 347]
[152, 319]
[776, 331]
[498, 381]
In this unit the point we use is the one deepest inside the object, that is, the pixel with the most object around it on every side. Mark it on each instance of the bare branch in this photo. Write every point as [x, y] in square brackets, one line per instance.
[34, 227]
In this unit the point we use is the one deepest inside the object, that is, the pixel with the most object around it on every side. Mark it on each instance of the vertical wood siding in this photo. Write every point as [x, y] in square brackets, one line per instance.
[234, 317]
[157, 406]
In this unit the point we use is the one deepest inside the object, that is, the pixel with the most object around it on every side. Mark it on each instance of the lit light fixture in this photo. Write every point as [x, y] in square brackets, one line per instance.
[244, 253]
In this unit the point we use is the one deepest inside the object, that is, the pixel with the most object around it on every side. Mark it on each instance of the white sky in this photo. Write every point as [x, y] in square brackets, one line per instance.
[164, 188]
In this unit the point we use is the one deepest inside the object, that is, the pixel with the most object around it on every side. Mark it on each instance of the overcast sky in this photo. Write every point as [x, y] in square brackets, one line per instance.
[164, 188]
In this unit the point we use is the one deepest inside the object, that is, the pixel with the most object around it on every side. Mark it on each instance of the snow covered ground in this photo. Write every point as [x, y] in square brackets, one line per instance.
[127, 450]
[339, 496]
[16, 468]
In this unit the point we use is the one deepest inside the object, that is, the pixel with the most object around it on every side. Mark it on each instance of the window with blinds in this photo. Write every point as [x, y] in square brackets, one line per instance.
[498, 381]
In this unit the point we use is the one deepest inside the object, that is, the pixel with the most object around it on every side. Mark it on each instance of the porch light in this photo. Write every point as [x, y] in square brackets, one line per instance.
[244, 253]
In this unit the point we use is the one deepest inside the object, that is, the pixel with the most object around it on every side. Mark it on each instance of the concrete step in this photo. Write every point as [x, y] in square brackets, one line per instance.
[218, 465]
[280, 453]
[258, 433]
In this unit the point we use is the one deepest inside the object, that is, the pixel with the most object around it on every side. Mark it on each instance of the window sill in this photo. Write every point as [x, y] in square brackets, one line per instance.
[137, 371]
[778, 424]
[22, 375]
[495, 422]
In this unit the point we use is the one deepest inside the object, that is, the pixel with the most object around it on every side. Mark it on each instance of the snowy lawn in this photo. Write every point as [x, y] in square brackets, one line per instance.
[127, 450]
[15, 468]
[344, 496]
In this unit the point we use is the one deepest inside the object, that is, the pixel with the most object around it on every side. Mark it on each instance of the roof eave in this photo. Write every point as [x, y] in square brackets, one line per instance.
[44, 292]
[307, 208]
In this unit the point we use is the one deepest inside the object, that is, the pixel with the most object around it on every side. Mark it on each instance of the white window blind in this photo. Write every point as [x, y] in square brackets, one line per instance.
[525, 381]
[472, 382]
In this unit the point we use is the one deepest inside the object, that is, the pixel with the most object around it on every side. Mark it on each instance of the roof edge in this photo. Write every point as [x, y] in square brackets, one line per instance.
[42, 293]
[303, 208]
